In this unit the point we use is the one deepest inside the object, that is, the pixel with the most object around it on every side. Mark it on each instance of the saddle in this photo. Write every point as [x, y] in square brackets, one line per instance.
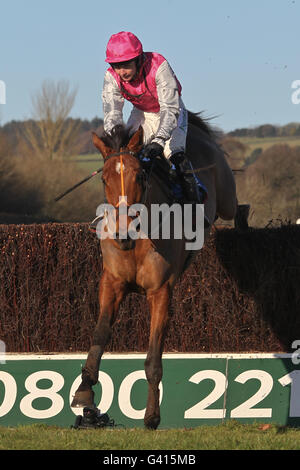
[166, 172]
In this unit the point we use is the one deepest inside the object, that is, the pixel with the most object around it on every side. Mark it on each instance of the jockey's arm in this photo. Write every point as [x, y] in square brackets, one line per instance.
[168, 97]
[113, 103]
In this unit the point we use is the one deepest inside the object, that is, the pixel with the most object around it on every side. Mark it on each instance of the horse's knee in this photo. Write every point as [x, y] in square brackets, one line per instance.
[102, 331]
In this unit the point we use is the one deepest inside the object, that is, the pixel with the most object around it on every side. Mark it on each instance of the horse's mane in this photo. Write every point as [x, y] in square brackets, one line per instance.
[202, 123]
[118, 137]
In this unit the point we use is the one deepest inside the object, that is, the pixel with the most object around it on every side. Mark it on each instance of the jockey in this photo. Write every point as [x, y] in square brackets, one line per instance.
[149, 83]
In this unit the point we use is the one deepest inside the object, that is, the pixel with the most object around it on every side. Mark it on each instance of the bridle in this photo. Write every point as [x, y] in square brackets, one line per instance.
[96, 172]
[144, 181]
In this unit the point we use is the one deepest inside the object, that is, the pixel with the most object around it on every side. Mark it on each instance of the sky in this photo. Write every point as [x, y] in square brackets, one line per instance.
[236, 59]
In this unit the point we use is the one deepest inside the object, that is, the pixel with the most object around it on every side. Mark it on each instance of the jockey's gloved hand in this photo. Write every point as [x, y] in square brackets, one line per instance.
[153, 150]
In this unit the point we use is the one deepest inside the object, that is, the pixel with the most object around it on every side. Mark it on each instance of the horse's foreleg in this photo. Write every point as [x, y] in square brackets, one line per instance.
[111, 292]
[159, 305]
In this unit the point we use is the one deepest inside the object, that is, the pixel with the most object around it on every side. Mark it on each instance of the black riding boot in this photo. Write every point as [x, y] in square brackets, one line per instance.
[193, 189]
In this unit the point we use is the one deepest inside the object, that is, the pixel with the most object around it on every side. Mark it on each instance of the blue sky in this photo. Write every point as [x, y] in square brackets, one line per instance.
[235, 59]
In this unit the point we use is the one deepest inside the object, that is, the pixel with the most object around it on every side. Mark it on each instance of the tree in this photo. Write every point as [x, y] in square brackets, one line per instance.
[50, 133]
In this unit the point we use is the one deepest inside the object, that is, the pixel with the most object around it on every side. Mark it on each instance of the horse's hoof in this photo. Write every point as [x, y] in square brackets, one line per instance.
[83, 398]
[152, 422]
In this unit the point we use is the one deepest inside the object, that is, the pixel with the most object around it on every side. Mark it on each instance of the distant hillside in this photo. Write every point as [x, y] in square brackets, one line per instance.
[243, 151]
[268, 130]
[13, 132]
[271, 185]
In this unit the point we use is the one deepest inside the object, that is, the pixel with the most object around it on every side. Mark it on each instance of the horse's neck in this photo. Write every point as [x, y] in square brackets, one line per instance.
[158, 191]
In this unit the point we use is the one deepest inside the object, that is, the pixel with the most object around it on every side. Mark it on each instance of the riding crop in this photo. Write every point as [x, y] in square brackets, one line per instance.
[78, 184]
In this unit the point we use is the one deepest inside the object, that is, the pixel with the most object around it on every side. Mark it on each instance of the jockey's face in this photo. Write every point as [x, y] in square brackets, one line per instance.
[126, 70]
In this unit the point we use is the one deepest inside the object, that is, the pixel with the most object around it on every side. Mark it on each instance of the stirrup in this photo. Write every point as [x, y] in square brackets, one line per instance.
[200, 192]
[193, 187]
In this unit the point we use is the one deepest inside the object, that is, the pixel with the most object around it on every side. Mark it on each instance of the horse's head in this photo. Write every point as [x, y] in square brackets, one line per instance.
[122, 176]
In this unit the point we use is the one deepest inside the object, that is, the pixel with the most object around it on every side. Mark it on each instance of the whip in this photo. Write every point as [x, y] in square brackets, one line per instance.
[78, 184]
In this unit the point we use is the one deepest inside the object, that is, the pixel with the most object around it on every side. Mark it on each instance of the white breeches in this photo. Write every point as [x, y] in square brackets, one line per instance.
[150, 124]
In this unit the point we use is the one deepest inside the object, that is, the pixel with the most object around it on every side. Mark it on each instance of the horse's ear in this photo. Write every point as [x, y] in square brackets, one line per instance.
[136, 141]
[100, 145]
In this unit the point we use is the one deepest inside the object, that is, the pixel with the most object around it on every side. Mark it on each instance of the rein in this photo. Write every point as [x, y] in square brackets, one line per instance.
[203, 168]
[122, 183]
[96, 172]
[120, 154]
[115, 154]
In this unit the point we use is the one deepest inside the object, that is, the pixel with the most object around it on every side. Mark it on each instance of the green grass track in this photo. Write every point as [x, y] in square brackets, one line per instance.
[228, 436]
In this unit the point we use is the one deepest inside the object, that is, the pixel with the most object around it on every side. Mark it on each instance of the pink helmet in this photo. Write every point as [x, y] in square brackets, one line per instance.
[123, 46]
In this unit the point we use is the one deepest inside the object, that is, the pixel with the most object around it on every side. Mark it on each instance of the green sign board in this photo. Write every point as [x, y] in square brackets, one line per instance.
[196, 389]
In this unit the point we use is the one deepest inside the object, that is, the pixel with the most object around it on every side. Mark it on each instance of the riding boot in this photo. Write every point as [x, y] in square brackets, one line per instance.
[194, 191]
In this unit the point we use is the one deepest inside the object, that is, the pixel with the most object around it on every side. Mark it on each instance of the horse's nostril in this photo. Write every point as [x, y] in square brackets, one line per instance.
[127, 244]
[133, 235]
[122, 236]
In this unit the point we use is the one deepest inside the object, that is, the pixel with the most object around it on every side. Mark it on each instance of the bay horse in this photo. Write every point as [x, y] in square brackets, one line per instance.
[144, 264]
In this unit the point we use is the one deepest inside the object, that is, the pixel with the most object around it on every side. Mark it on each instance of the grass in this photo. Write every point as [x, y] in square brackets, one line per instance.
[228, 436]
[265, 142]
[88, 162]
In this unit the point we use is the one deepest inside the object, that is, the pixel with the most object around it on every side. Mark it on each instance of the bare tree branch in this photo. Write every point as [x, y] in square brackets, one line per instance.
[51, 134]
